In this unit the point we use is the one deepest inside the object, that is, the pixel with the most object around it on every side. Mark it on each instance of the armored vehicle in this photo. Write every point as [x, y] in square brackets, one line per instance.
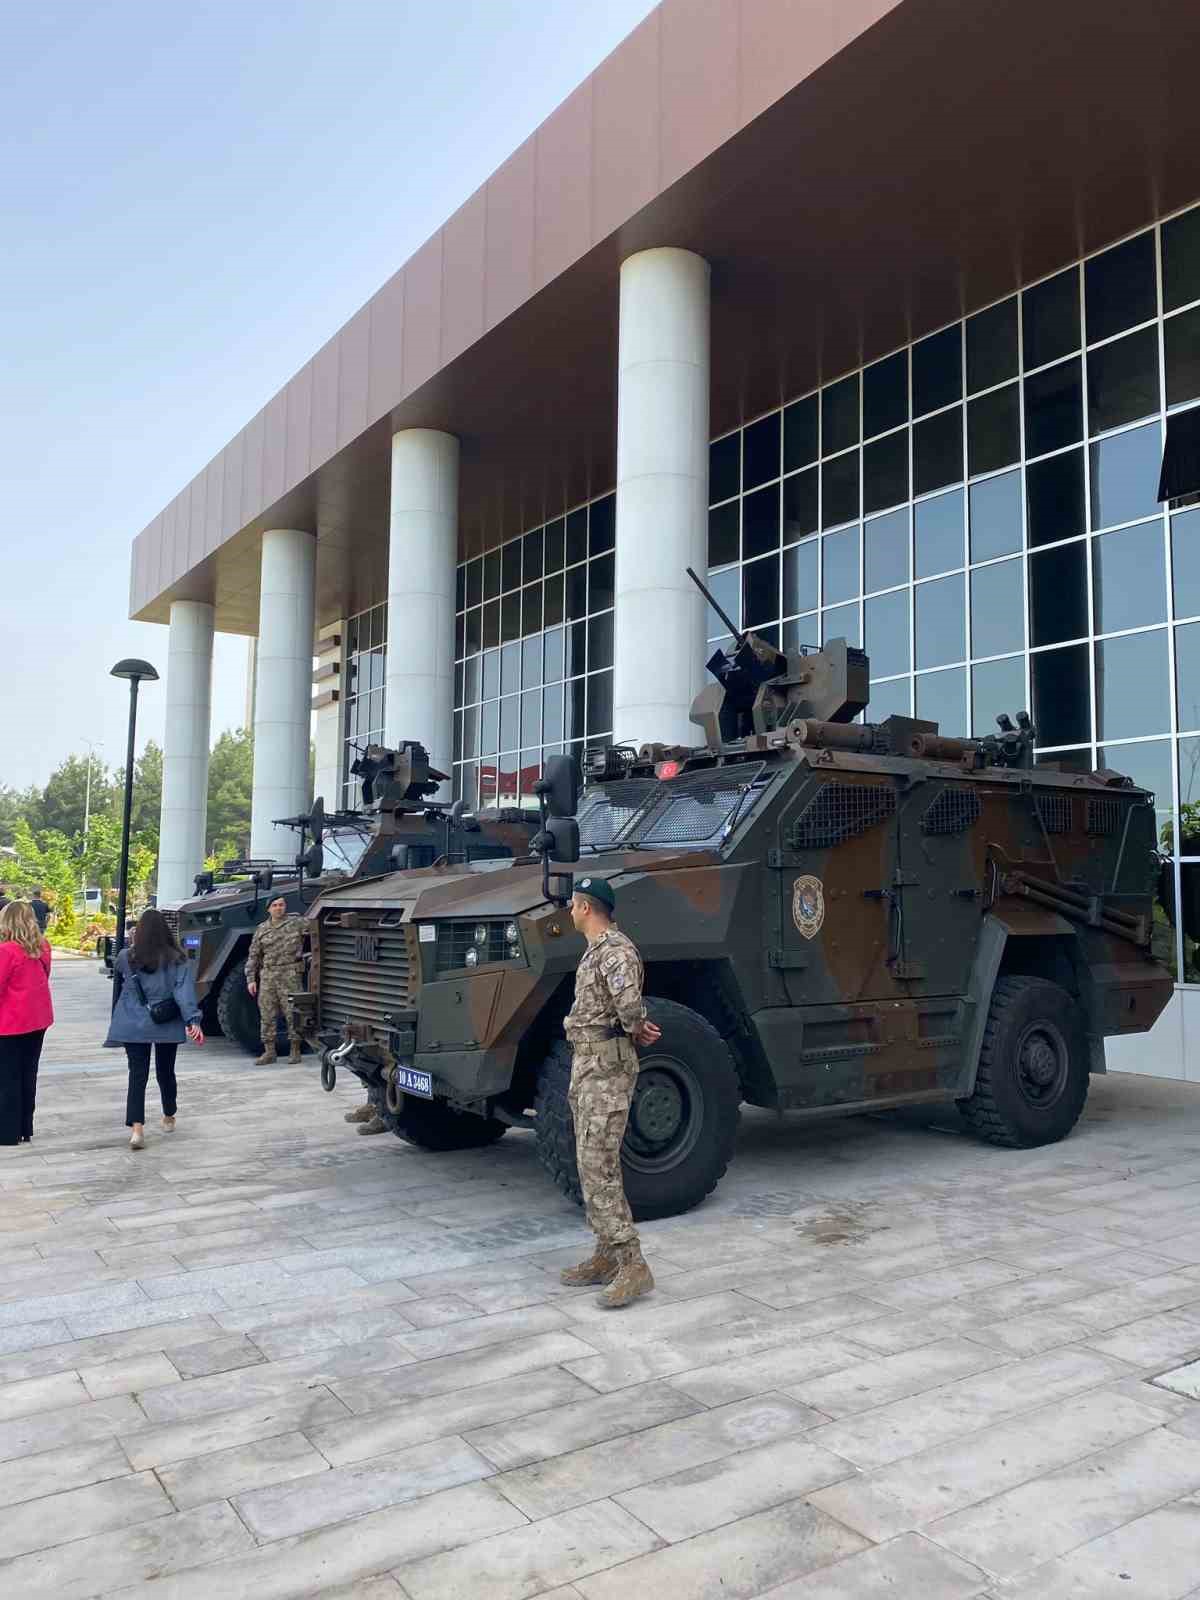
[835, 916]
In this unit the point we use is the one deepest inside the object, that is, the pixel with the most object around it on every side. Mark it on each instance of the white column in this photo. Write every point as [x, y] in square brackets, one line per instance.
[419, 700]
[185, 749]
[282, 691]
[662, 494]
[327, 703]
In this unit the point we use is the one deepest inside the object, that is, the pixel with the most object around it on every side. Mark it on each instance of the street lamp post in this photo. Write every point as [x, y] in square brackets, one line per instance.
[135, 671]
[87, 816]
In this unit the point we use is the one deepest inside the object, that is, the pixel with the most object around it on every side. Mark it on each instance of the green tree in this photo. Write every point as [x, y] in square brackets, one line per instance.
[64, 799]
[46, 860]
[147, 793]
[230, 779]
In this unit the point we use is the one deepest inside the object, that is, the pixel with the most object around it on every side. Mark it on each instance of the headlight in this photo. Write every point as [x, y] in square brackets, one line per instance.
[512, 933]
[481, 933]
[472, 958]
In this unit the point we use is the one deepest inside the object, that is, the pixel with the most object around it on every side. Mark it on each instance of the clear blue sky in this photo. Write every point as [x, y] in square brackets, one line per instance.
[194, 198]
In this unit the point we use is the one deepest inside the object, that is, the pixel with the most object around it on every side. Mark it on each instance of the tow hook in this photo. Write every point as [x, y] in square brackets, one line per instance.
[330, 1062]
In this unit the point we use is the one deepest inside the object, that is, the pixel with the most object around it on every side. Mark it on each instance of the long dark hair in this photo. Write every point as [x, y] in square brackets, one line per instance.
[154, 945]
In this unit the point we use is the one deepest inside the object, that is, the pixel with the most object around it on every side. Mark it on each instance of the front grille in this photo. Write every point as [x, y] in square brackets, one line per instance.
[366, 975]
[454, 939]
[171, 918]
[1055, 811]
[1104, 816]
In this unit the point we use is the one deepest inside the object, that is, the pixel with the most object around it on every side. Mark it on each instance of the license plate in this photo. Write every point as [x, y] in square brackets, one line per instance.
[409, 1081]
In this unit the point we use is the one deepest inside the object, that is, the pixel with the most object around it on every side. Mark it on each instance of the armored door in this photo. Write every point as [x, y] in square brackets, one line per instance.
[836, 934]
[940, 893]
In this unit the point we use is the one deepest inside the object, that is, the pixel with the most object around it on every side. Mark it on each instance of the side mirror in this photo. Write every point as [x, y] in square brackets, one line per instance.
[564, 836]
[559, 786]
[316, 822]
[312, 861]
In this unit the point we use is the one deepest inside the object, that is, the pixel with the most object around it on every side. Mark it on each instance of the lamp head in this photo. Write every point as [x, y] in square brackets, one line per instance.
[133, 668]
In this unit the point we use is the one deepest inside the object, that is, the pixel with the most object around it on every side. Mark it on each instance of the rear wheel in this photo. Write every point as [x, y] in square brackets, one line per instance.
[682, 1120]
[237, 1012]
[434, 1125]
[1032, 1081]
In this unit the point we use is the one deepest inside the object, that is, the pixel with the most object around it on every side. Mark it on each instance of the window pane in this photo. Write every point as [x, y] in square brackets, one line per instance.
[800, 433]
[491, 674]
[1148, 763]
[1185, 563]
[760, 451]
[1132, 693]
[1058, 595]
[602, 526]
[1053, 408]
[531, 662]
[724, 467]
[1125, 476]
[940, 622]
[553, 657]
[489, 727]
[531, 717]
[532, 555]
[602, 578]
[723, 533]
[760, 591]
[1123, 381]
[473, 631]
[995, 513]
[1187, 676]
[1181, 260]
[531, 608]
[460, 587]
[885, 394]
[890, 700]
[1182, 338]
[552, 714]
[760, 522]
[1054, 490]
[839, 415]
[552, 601]
[475, 581]
[840, 556]
[801, 633]
[840, 623]
[1189, 796]
[799, 578]
[574, 698]
[726, 590]
[885, 472]
[937, 370]
[938, 534]
[942, 698]
[510, 616]
[600, 703]
[1129, 578]
[886, 552]
[886, 623]
[510, 565]
[1050, 318]
[992, 346]
[600, 642]
[576, 601]
[1119, 287]
[998, 608]
[555, 545]
[575, 649]
[1061, 709]
[510, 722]
[576, 536]
[491, 575]
[994, 430]
[937, 452]
[996, 686]
[471, 673]
[800, 505]
[839, 486]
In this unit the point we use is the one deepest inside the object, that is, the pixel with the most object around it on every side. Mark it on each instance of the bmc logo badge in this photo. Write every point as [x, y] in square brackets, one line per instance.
[808, 906]
[366, 947]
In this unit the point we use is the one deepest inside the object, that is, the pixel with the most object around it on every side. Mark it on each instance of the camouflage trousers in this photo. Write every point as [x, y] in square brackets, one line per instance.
[274, 986]
[603, 1077]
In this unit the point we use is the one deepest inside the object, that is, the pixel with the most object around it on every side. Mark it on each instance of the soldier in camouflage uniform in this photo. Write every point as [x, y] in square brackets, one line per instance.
[608, 1016]
[273, 971]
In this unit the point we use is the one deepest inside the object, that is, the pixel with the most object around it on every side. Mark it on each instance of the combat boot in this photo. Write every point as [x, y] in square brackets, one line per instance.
[600, 1267]
[362, 1113]
[294, 1052]
[376, 1124]
[267, 1057]
[633, 1279]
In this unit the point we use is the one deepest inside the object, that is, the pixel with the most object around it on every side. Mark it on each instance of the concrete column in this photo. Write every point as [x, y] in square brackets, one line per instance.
[419, 699]
[662, 494]
[185, 749]
[282, 690]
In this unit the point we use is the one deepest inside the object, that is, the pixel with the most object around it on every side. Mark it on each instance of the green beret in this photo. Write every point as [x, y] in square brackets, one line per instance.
[598, 889]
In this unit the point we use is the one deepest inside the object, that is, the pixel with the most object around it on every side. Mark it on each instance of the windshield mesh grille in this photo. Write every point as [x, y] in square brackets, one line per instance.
[693, 809]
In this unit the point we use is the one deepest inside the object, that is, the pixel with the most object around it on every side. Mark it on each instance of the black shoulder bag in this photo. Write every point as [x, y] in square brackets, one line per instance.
[162, 1010]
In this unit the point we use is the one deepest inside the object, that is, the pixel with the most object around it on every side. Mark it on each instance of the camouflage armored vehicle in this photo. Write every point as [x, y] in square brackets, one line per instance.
[835, 917]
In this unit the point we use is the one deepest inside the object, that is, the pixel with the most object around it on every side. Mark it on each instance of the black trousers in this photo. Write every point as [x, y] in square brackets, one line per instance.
[139, 1073]
[19, 1056]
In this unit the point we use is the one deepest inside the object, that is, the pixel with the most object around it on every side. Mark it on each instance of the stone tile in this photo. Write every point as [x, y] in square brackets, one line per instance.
[366, 1547]
[439, 1309]
[77, 1513]
[107, 1561]
[415, 1421]
[501, 1328]
[1154, 1341]
[527, 1561]
[307, 1308]
[142, 1313]
[222, 1430]
[225, 1473]
[129, 1375]
[1039, 1521]
[752, 1556]
[467, 1370]
[72, 1354]
[47, 1430]
[225, 1354]
[700, 1498]
[1152, 1557]
[775, 1368]
[574, 1426]
[931, 1484]
[918, 1422]
[656, 1320]
[605, 1469]
[897, 1331]
[944, 1283]
[908, 1566]
[71, 1466]
[30, 1395]
[32, 1335]
[869, 1384]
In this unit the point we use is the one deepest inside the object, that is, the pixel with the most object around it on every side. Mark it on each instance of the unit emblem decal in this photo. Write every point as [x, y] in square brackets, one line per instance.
[808, 905]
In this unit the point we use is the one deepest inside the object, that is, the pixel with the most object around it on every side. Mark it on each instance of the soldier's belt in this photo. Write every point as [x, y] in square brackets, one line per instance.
[594, 1035]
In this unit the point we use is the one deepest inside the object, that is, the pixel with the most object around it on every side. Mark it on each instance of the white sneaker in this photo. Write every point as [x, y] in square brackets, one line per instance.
[169, 1124]
[137, 1141]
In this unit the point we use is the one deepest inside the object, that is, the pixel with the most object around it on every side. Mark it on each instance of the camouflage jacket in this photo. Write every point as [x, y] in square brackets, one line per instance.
[608, 988]
[275, 947]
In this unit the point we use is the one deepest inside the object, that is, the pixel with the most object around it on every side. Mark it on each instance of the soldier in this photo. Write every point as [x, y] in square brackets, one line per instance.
[368, 1119]
[273, 972]
[608, 1013]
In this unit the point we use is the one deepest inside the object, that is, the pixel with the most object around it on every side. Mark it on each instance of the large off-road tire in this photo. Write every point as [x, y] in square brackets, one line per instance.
[434, 1125]
[682, 1123]
[1032, 1081]
[237, 1012]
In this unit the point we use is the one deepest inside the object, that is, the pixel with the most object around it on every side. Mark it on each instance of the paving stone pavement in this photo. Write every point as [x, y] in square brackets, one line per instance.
[266, 1357]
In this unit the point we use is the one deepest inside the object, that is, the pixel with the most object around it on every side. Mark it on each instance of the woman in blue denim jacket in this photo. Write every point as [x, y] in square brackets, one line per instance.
[151, 970]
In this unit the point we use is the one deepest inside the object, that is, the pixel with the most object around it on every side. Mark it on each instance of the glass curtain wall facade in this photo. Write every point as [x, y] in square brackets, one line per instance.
[365, 670]
[978, 511]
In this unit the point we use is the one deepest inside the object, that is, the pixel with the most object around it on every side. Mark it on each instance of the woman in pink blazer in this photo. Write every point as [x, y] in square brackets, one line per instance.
[25, 1014]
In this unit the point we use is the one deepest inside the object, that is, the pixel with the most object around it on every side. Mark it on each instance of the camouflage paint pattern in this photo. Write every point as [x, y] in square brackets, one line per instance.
[603, 1077]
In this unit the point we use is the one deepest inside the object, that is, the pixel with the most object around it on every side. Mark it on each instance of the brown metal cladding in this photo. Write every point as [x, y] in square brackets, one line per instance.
[858, 172]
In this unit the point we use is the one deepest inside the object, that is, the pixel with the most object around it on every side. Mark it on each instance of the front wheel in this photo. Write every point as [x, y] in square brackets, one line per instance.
[434, 1125]
[1032, 1081]
[682, 1120]
[237, 1013]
